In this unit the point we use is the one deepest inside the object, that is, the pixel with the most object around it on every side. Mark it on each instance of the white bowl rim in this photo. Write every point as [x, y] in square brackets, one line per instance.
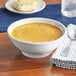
[15, 11]
[37, 43]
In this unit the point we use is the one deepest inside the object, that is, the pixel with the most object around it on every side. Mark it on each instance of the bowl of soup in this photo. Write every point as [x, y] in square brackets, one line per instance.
[36, 37]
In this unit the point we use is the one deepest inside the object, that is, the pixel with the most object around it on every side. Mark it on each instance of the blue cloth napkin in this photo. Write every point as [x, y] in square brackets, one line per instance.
[51, 11]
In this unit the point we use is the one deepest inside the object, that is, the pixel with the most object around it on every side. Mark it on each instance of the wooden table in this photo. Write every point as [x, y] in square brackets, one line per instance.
[13, 63]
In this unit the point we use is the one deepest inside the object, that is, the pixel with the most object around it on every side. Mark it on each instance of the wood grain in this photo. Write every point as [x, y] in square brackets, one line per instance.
[2, 2]
[13, 63]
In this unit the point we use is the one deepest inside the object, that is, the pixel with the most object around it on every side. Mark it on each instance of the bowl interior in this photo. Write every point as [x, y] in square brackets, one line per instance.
[32, 20]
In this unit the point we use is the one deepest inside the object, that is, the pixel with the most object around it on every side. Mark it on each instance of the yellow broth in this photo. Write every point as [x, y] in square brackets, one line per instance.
[37, 32]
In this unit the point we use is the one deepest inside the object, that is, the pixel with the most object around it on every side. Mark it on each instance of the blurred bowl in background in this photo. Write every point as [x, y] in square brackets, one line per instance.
[9, 6]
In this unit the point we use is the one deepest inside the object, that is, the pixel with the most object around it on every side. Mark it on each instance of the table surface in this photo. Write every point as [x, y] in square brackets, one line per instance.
[13, 63]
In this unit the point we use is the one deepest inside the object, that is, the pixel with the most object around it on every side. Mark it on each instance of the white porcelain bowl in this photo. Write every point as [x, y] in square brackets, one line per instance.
[9, 7]
[40, 49]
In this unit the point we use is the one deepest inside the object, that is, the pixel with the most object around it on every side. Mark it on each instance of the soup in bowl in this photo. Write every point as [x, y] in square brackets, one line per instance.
[36, 32]
[36, 37]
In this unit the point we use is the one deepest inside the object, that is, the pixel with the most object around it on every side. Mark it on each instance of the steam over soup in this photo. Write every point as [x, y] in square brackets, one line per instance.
[37, 32]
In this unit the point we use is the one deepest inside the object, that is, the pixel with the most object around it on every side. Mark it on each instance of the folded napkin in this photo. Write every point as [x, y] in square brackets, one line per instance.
[65, 55]
[51, 11]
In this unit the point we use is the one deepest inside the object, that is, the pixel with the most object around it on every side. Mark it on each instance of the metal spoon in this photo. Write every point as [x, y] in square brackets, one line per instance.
[72, 37]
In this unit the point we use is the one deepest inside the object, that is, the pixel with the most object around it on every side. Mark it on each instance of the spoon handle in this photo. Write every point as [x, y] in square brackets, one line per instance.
[71, 29]
[66, 50]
